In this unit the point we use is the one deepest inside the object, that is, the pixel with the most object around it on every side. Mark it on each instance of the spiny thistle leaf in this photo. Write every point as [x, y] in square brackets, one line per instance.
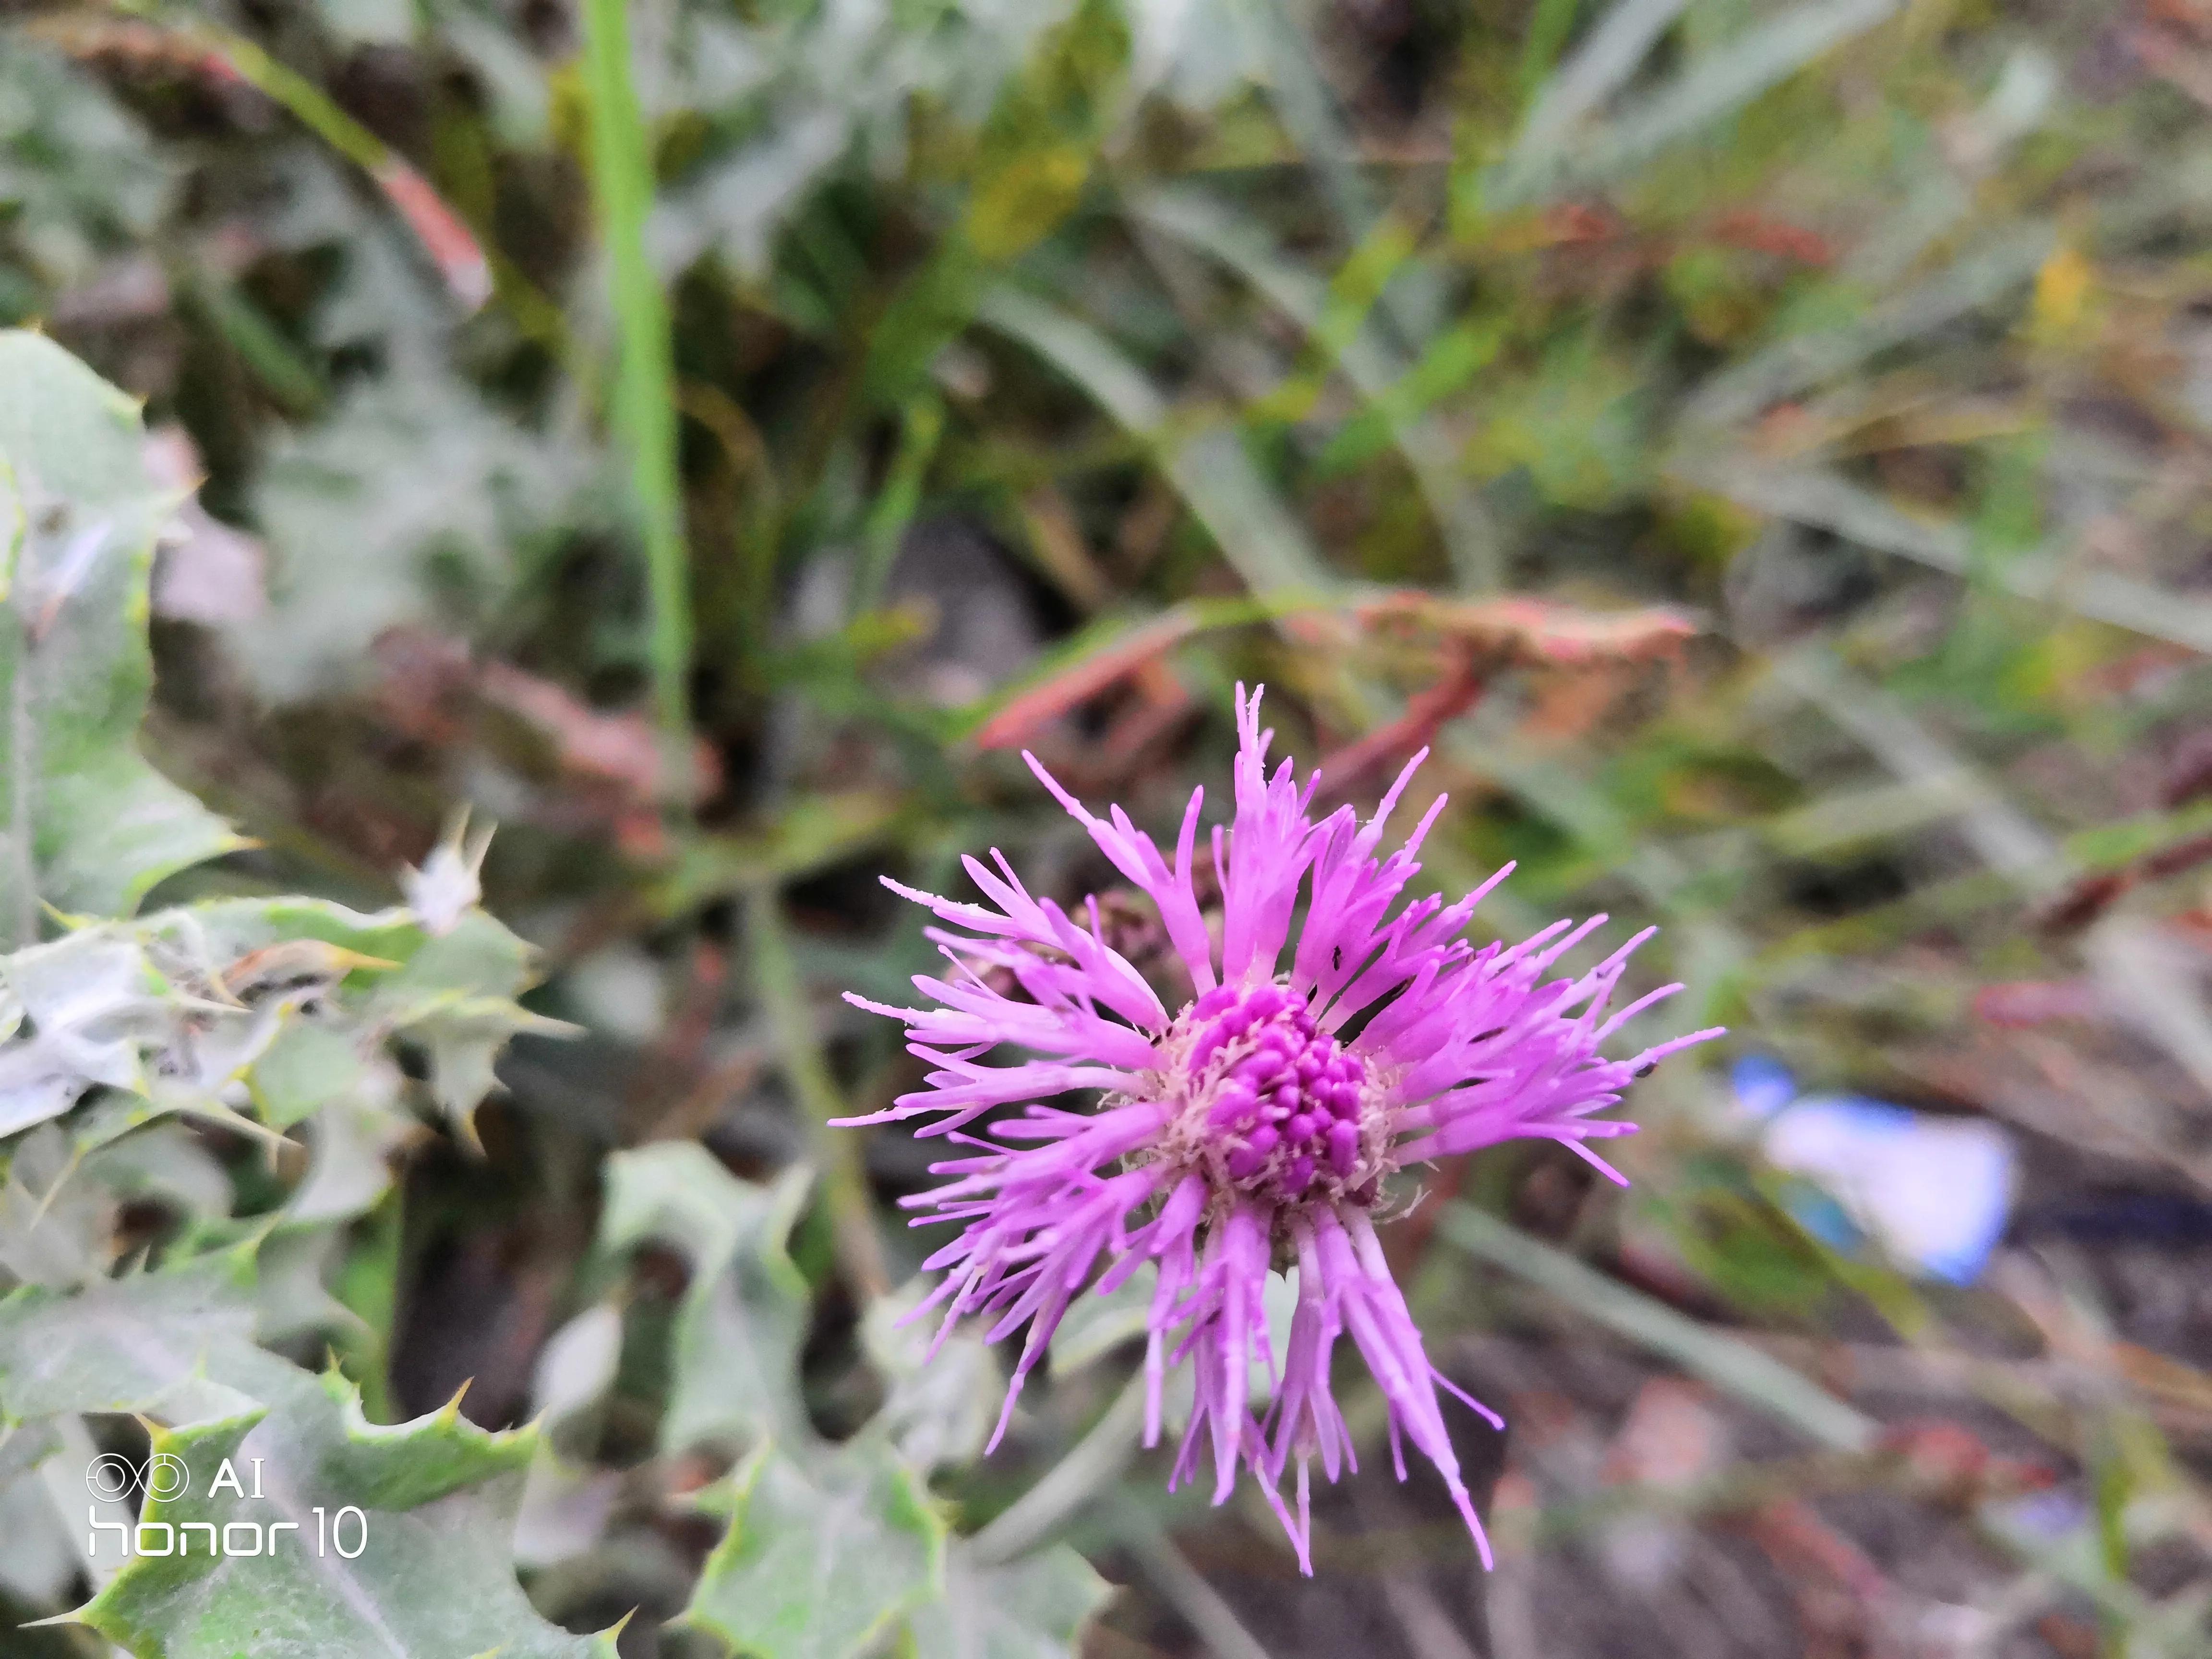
[283, 1003]
[429, 1572]
[743, 1316]
[395, 1541]
[91, 825]
[942, 1394]
[1033, 1608]
[162, 1344]
[820, 1558]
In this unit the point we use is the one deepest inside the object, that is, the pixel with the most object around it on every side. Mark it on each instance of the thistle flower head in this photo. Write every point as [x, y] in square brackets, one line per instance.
[1255, 1127]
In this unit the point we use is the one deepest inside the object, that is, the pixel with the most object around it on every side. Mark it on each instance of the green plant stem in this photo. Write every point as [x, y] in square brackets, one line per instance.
[1088, 1469]
[1550, 24]
[923, 425]
[645, 383]
[307, 103]
[1204, 1607]
[836, 1152]
[1722, 1360]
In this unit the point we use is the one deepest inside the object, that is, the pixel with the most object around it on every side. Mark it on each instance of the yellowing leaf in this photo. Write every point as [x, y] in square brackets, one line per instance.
[1020, 202]
[2063, 287]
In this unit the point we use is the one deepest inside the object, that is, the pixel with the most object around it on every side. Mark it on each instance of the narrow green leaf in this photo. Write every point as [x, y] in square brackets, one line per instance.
[645, 390]
[1375, 368]
[1600, 66]
[1262, 540]
[1720, 1359]
[1815, 496]
[1723, 80]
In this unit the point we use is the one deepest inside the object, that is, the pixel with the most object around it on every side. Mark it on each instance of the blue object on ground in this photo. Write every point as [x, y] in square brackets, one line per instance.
[1934, 1192]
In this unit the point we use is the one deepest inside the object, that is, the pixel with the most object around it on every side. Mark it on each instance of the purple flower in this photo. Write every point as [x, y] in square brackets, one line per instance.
[1259, 1124]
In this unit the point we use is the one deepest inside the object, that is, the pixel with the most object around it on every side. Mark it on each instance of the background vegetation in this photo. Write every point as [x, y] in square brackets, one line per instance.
[1758, 445]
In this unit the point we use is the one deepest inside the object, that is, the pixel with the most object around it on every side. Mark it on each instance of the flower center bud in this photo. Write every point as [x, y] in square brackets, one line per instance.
[1269, 1104]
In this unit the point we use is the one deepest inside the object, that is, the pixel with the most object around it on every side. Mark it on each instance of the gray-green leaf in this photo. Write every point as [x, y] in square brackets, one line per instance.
[395, 1541]
[743, 1316]
[90, 827]
[1033, 1608]
[158, 1343]
[820, 1559]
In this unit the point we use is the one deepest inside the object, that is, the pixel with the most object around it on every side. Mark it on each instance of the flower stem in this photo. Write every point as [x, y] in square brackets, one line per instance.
[836, 1153]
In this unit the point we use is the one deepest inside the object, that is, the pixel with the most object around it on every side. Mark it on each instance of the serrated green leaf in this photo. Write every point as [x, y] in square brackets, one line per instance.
[63, 1188]
[286, 1002]
[292, 1301]
[92, 825]
[354, 554]
[1033, 1608]
[744, 1313]
[40, 1562]
[23, 1447]
[307, 1064]
[432, 1575]
[429, 1511]
[52, 1231]
[822, 1558]
[941, 1405]
[454, 998]
[158, 1343]
[351, 1141]
[1098, 1322]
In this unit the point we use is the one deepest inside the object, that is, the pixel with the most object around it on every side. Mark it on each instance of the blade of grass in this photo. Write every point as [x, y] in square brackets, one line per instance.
[232, 57]
[1722, 80]
[1812, 496]
[1307, 105]
[2006, 840]
[1596, 70]
[2151, 974]
[285, 373]
[1850, 817]
[2002, 266]
[896, 503]
[1373, 367]
[1734, 1367]
[836, 1152]
[1760, 1380]
[645, 384]
[1207, 463]
[1302, 102]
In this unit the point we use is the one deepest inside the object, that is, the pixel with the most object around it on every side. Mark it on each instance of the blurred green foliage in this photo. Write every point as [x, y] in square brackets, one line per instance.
[712, 467]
